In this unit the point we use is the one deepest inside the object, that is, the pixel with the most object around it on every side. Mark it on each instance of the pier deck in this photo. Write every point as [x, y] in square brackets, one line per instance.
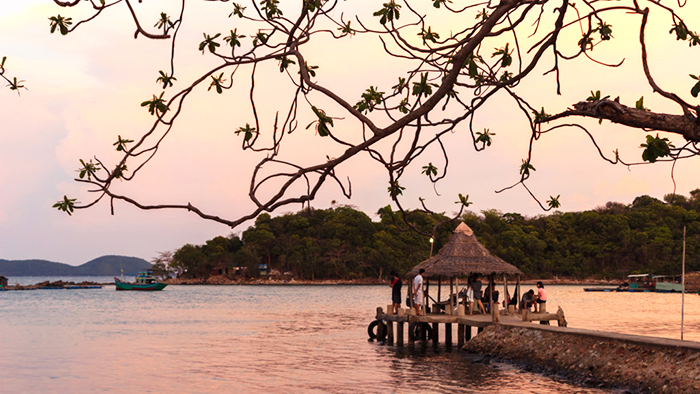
[427, 326]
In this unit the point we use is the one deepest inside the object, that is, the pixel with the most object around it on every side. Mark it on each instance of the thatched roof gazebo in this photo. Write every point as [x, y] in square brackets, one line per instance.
[461, 257]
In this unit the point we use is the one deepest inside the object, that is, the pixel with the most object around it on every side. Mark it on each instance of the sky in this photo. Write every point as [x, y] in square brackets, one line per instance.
[85, 88]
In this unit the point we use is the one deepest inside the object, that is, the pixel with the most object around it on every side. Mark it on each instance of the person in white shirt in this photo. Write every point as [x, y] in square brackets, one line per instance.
[418, 291]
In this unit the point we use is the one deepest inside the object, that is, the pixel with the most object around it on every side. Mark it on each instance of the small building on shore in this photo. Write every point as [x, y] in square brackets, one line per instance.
[3, 281]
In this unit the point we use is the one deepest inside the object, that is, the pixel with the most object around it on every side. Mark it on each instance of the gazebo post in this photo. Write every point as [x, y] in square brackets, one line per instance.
[439, 293]
[505, 292]
[517, 300]
[426, 296]
[494, 305]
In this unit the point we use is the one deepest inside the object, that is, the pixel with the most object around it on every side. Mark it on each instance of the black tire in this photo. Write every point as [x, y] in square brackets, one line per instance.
[416, 331]
[380, 335]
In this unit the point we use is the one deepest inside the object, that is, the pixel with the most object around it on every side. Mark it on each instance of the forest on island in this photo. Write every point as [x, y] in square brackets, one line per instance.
[610, 241]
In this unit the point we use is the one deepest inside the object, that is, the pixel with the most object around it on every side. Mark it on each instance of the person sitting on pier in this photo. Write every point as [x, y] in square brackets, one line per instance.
[528, 300]
[395, 291]
[418, 291]
[541, 296]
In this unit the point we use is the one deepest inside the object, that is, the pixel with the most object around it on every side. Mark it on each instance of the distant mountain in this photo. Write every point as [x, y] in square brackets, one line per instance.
[101, 266]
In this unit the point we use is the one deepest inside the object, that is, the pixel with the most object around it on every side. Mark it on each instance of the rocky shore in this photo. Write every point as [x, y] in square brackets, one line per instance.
[644, 364]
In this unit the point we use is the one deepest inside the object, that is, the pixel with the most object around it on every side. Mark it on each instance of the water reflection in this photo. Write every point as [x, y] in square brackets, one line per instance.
[278, 339]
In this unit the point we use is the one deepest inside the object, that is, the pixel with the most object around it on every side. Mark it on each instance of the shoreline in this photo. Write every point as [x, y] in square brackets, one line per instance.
[220, 280]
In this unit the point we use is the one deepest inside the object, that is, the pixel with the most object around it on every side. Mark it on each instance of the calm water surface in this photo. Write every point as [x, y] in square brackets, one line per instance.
[279, 339]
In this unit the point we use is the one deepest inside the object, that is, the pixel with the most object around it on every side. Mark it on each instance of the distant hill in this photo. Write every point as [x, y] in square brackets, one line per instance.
[101, 266]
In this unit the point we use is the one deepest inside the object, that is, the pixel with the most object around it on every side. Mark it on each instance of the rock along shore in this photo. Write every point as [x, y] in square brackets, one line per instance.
[646, 364]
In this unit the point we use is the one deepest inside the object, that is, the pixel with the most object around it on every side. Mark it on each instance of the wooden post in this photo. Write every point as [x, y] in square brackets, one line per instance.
[494, 309]
[439, 290]
[390, 332]
[426, 296]
[399, 333]
[460, 335]
[494, 313]
[448, 334]
[505, 291]
[436, 336]
[468, 333]
[518, 293]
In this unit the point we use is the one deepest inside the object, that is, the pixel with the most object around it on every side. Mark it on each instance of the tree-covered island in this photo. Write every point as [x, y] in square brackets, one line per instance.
[341, 243]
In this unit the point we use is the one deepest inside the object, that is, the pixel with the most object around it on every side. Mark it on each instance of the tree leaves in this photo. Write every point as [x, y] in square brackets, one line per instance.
[120, 144]
[655, 148]
[88, 169]
[605, 31]
[247, 132]
[237, 10]
[484, 137]
[504, 53]
[389, 12]
[541, 116]
[271, 8]
[165, 79]
[464, 200]
[395, 189]
[696, 89]
[209, 43]
[428, 35]
[164, 22]
[553, 202]
[60, 23]
[429, 170]
[156, 104]
[423, 87]
[596, 96]
[322, 123]
[284, 62]
[217, 83]
[639, 104]
[234, 38]
[370, 98]
[526, 167]
[66, 205]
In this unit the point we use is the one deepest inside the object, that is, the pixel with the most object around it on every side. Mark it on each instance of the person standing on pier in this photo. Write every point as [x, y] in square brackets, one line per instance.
[476, 287]
[418, 291]
[541, 296]
[395, 291]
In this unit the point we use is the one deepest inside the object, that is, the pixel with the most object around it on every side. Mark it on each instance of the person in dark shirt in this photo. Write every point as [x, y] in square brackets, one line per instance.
[476, 286]
[395, 291]
[528, 300]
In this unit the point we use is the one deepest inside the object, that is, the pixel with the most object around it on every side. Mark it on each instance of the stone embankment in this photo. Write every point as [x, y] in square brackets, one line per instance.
[646, 364]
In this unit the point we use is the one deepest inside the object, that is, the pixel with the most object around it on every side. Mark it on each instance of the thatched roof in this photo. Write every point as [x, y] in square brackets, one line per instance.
[463, 255]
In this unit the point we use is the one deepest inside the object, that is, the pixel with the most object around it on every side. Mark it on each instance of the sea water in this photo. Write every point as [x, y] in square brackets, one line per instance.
[278, 339]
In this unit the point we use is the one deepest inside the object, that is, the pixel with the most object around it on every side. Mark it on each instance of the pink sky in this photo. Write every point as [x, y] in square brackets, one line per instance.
[85, 89]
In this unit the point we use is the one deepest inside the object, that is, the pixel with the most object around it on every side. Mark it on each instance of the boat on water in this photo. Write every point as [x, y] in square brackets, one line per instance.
[144, 282]
[645, 283]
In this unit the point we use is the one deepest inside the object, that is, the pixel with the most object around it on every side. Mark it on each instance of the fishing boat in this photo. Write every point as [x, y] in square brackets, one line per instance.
[644, 283]
[144, 282]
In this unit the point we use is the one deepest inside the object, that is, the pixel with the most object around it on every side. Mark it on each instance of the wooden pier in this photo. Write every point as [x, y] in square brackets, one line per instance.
[395, 329]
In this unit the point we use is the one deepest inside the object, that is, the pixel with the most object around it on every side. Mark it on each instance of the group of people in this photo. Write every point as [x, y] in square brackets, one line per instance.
[472, 293]
[530, 299]
[417, 288]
